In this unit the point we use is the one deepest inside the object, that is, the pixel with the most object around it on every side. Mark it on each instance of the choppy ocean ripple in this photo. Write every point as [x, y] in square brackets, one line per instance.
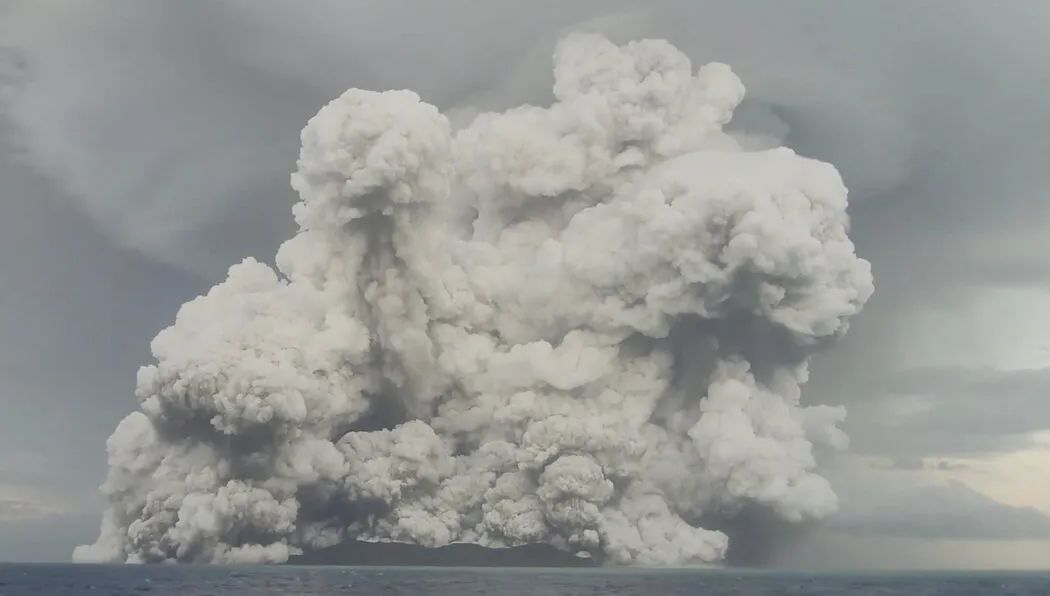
[59, 580]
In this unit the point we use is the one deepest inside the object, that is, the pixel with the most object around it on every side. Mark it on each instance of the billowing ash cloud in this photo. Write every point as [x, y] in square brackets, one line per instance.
[583, 325]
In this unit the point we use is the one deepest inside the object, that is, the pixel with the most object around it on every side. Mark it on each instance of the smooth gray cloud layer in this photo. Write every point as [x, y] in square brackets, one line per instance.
[160, 137]
[951, 511]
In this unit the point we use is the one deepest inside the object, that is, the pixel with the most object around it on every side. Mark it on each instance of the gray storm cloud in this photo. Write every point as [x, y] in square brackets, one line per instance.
[585, 325]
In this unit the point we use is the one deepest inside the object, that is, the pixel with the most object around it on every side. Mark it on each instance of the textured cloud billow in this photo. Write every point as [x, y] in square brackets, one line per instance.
[585, 325]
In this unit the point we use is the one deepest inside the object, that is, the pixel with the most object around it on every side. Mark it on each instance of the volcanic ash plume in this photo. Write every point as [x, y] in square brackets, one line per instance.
[584, 325]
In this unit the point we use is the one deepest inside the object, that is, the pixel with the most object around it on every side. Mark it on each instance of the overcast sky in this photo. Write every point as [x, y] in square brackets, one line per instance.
[146, 146]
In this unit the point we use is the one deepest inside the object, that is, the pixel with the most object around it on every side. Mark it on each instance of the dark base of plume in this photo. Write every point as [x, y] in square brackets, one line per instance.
[454, 555]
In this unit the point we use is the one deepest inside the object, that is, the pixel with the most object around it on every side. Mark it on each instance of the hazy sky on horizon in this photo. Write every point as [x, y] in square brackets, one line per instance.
[146, 146]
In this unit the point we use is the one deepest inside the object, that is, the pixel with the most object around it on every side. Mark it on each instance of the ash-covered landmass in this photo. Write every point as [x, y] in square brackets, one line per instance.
[584, 325]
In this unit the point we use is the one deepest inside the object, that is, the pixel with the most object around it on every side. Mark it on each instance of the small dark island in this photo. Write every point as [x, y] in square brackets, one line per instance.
[353, 552]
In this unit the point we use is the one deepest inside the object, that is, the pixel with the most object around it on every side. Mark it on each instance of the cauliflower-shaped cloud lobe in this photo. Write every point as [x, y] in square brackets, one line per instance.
[584, 325]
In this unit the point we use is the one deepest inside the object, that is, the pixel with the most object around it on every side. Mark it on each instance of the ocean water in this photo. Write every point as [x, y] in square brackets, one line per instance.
[105, 580]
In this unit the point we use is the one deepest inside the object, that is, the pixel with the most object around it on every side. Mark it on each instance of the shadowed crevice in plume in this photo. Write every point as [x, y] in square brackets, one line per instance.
[607, 356]
[384, 413]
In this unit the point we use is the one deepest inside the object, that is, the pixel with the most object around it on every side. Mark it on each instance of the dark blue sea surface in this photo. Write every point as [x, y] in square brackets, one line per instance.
[105, 580]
